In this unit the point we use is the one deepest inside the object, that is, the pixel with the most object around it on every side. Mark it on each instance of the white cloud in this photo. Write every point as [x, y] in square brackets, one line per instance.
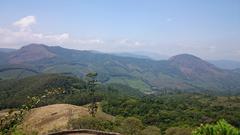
[10, 37]
[88, 41]
[25, 22]
[13, 38]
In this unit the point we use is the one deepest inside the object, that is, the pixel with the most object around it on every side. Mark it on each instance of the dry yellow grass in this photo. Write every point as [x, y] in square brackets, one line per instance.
[3, 112]
[55, 117]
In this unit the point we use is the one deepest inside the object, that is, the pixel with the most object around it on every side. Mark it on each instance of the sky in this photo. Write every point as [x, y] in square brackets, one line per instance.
[209, 29]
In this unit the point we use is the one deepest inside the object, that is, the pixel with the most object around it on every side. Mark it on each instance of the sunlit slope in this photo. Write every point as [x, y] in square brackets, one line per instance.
[55, 117]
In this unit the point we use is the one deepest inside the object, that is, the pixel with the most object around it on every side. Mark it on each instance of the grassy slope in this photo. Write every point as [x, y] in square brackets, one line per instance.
[55, 117]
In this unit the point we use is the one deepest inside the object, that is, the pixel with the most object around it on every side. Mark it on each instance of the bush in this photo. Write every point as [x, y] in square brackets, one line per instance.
[131, 126]
[90, 123]
[126, 126]
[151, 130]
[178, 131]
[222, 127]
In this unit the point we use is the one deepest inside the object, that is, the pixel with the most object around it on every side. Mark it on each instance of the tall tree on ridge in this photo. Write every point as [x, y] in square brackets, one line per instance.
[91, 83]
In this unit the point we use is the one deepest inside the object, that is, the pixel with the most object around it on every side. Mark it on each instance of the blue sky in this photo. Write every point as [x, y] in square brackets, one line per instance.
[207, 28]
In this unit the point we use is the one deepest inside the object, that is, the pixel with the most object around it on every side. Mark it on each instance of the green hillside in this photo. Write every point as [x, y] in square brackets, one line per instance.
[13, 92]
[169, 111]
[184, 72]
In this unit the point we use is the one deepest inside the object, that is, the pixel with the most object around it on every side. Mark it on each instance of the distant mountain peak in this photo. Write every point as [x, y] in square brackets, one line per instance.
[191, 65]
[181, 57]
[188, 60]
[184, 71]
[34, 46]
[30, 53]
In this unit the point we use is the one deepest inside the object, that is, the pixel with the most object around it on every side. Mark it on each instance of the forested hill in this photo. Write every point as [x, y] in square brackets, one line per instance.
[14, 93]
[186, 111]
[183, 72]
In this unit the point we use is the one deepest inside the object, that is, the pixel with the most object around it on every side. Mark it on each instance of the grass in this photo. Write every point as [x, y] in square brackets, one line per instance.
[55, 117]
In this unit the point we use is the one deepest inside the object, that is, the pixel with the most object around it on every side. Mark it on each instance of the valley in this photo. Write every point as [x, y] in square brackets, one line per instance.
[184, 72]
[119, 67]
[164, 110]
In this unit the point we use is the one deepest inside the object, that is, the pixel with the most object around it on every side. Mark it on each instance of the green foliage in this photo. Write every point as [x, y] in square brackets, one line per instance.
[222, 127]
[151, 130]
[131, 126]
[125, 126]
[170, 109]
[178, 131]
[132, 82]
[90, 123]
[13, 93]
[175, 110]
[9, 123]
[143, 74]
[91, 84]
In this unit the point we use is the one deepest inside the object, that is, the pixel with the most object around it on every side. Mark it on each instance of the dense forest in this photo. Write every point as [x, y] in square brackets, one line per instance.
[13, 93]
[167, 111]
[174, 110]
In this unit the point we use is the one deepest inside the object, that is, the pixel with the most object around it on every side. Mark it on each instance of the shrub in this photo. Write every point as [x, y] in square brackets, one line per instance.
[90, 123]
[178, 131]
[131, 126]
[222, 127]
[151, 130]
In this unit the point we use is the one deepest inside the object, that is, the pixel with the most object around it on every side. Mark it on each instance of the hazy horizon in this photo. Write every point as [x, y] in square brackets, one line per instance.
[120, 67]
[207, 29]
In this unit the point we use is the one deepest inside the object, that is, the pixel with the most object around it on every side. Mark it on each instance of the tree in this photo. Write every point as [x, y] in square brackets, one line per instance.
[9, 123]
[91, 83]
[178, 131]
[90, 123]
[131, 126]
[151, 130]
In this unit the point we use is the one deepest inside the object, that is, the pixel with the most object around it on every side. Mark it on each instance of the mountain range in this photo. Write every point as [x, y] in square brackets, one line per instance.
[183, 72]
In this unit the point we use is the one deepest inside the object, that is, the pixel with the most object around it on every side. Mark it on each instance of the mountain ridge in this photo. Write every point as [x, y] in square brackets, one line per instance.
[184, 71]
[32, 52]
[191, 65]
